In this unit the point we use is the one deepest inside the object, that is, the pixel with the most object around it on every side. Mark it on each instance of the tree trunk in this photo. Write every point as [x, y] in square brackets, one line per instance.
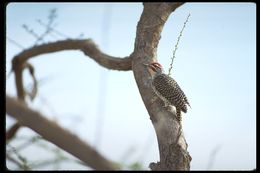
[171, 141]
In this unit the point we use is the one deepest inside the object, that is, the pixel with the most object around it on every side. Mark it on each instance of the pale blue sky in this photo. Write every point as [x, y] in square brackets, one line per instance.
[215, 65]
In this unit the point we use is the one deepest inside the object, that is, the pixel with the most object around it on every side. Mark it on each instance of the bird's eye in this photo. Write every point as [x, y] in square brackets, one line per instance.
[156, 65]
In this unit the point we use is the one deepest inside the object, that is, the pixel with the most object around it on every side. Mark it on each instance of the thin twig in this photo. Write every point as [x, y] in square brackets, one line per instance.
[48, 30]
[15, 161]
[31, 31]
[166, 127]
[28, 142]
[22, 165]
[176, 46]
[54, 30]
[212, 157]
[15, 43]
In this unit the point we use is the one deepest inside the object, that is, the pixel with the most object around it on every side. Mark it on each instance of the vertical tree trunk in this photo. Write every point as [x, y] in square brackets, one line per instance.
[171, 141]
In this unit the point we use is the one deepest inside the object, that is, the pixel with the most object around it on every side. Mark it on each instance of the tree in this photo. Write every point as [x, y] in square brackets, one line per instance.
[171, 141]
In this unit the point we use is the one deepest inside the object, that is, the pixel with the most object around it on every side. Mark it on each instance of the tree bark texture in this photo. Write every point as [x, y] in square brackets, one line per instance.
[171, 141]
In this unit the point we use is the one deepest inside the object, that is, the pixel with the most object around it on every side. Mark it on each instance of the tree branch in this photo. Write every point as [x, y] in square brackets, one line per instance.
[87, 46]
[20, 165]
[171, 141]
[12, 131]
[57, 135]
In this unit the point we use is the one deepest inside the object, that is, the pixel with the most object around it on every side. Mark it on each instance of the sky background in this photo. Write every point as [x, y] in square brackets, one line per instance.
[215, 66]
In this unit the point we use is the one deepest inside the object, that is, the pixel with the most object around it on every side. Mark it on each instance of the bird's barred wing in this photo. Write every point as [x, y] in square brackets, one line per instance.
[171, 91]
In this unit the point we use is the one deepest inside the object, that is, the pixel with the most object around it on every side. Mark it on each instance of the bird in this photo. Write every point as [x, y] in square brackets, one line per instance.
[167, 89]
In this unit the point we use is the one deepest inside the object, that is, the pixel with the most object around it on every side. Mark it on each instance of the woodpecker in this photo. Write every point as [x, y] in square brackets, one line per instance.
[167, 89]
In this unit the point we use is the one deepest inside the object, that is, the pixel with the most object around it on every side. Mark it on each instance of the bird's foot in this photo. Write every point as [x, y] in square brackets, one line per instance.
[167, 106]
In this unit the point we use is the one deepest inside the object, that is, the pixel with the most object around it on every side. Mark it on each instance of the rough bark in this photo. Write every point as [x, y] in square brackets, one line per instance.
[171, 141]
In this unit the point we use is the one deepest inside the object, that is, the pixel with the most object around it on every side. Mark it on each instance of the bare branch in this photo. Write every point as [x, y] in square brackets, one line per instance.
[53, 30]
[15, 43]
[20, 165]
[88, 47]
[150, 25]
[48, 28]
[23, 165]
[31, 31]
[12, 131]
[56, 134]
[212, 156]
[176, 45]
[33, 92]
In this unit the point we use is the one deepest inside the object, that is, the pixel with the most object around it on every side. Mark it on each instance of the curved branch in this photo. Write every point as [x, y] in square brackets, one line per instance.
[10, 134]
[171, 141]
[87, 46]
[57, 135]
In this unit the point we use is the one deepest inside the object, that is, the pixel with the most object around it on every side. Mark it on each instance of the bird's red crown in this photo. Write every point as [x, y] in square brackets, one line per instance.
[155, 65]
